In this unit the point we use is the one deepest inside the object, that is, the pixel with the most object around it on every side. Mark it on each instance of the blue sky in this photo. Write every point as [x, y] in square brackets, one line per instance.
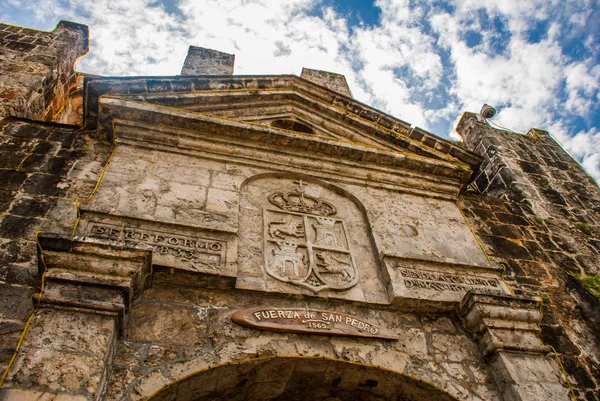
[424, 61]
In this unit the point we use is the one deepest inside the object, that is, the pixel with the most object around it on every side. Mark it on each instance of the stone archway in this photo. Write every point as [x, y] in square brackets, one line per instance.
[299, 379]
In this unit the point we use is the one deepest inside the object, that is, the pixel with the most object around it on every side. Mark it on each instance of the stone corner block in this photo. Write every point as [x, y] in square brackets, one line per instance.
[82, 34]
[503, 322]
[91, 275]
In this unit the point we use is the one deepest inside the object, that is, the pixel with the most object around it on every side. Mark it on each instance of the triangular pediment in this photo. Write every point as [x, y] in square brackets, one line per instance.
[264, 100]
[268, 117]
[168, 129]
[273, 107]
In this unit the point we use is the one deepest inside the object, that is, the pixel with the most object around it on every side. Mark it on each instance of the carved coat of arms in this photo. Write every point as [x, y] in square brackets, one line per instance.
[304, 244]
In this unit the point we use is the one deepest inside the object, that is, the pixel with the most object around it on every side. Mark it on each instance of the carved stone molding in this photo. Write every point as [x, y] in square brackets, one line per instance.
[503, 322]
[92, 276]
[196, 254]
[506, 328]
[88, 292]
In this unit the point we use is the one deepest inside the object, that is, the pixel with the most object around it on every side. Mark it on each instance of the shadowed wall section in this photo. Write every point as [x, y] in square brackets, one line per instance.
[299, 379]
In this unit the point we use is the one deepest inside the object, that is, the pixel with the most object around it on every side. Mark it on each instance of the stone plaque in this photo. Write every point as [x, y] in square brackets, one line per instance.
[311, 322]
[445, 282]
[304, 244]
[169, 248]
[438, 286]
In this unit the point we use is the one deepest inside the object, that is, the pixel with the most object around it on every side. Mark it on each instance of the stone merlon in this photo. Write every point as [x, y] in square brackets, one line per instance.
[330, 80]
[201, 61]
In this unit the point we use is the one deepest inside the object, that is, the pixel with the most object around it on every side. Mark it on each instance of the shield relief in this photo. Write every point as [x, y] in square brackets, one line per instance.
[304, 244]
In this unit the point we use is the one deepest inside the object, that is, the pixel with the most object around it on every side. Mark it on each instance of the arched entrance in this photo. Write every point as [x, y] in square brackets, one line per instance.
[299, 379]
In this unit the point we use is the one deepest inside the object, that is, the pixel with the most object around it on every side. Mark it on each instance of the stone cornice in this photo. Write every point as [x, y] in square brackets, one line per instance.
[249, 105]
[95, 87]
[180, 130]
[503, 322]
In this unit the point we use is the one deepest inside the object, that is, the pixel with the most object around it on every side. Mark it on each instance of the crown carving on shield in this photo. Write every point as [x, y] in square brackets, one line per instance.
[325, 222]
[298, 201]
[286, 248]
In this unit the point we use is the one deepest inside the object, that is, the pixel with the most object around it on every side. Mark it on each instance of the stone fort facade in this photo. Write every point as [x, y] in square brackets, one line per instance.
[212, 236]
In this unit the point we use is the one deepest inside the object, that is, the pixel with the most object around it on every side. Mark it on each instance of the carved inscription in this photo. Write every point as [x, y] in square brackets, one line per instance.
[305, 248]
[198, 253]
[442, 282]
[310, 321]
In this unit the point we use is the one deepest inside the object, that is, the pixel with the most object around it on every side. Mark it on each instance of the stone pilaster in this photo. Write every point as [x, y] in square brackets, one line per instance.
[68, 349]
[506, 329]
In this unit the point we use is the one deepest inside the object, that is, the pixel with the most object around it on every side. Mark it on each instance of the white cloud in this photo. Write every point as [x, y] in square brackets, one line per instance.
[518, 14]
[394, 54]
[127, 38]
[525, 78]
[582, 83]
[257, 34]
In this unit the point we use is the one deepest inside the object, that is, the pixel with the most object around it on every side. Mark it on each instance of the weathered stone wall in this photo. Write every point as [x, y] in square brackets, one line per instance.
[539, 218]
[37, 69]
[172, 331]
[189, 197]
[221, 199]
[43, 168]
[38, 81]
[72, 111]
[176, 331]
[179, 325]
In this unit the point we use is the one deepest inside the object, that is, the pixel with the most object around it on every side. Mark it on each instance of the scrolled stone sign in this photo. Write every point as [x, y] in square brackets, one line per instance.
[309, 321]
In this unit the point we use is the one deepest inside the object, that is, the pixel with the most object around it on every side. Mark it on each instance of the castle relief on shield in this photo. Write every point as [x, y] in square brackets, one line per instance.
[305, 244]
